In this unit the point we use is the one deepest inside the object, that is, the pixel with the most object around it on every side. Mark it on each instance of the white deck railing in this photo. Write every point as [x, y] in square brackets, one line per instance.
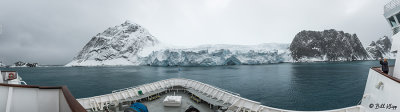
[98, 102]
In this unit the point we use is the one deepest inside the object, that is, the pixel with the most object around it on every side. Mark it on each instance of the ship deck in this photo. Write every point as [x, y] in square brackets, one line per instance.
[212, 99]
[157, 105]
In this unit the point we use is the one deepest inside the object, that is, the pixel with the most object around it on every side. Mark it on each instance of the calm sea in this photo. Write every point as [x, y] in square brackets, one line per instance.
[294, 86]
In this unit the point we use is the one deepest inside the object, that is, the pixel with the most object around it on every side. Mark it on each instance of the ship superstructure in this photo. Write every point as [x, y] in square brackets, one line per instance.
[392, 15]
[16, 96]
[382, 90]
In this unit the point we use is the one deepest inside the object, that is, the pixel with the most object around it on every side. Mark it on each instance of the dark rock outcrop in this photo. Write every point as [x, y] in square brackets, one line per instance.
[23, 64]
[19, 63]
[327, 45]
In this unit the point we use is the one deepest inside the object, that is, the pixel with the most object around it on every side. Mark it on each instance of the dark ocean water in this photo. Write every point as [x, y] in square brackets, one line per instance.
[294, 86]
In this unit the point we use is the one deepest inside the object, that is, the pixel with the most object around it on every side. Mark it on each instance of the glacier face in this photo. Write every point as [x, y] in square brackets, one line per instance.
[211, 55]
[381, 48]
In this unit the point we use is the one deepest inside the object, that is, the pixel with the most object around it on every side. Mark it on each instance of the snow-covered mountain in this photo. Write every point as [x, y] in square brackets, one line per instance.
[119, 45]
[327, 45]
[381, 48]
[131, 44]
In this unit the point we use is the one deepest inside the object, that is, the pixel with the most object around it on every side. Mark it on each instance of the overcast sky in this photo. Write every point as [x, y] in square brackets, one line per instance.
[54, 31]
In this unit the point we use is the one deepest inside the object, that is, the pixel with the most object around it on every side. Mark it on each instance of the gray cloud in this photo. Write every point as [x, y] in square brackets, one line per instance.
[53, 32]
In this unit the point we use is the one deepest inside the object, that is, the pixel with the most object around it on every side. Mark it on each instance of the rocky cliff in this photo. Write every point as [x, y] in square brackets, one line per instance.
[327, 45]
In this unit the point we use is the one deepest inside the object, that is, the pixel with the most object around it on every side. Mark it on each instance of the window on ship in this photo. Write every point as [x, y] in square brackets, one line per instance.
[392, 21]
[398, 17]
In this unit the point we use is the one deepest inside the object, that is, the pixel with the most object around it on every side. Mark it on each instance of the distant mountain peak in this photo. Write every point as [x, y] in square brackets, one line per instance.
[129, 22]
[121, 43]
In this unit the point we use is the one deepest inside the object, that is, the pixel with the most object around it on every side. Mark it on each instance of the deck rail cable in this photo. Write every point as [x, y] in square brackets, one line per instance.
[234, 93]
[359, 102]
[128, 88]
[21, 81]
[124, 89]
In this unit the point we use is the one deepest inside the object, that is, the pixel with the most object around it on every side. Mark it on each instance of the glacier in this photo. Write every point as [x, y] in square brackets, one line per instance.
[204, 55]
[212, 55]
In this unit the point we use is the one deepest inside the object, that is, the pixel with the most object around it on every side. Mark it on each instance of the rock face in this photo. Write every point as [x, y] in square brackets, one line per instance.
[19, 63]
[327, 45]
[381, 48]
[119, 45]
